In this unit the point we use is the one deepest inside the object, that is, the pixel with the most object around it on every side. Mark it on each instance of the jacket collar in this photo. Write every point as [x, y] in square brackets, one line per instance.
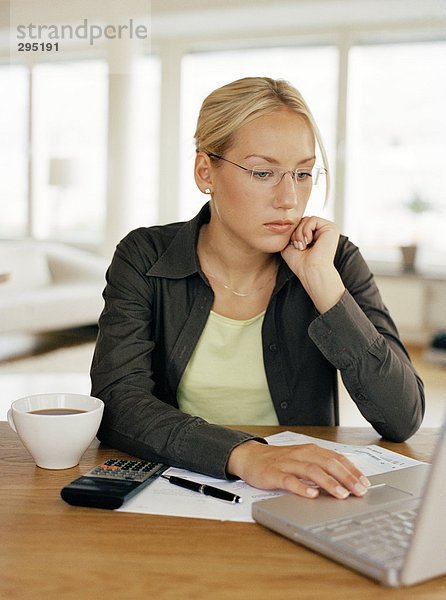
[180, 259]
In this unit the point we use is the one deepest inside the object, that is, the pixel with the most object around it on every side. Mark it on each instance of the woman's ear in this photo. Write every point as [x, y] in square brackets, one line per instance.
[203, 172]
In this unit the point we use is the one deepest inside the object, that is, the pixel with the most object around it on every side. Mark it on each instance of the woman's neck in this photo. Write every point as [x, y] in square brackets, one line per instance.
[237, 266]
[242, 279]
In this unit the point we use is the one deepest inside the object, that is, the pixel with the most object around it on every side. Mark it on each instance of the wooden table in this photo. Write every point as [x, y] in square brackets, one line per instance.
[50, 550]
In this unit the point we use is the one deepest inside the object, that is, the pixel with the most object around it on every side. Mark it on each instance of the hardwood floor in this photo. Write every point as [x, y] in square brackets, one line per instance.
[18, 346]
[37, 364]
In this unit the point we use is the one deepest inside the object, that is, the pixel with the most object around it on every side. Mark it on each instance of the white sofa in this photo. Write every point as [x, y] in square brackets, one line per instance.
[48, 286]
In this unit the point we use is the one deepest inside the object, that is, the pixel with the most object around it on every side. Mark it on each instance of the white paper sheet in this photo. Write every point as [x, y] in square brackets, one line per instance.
[164, 498]
[370, 459]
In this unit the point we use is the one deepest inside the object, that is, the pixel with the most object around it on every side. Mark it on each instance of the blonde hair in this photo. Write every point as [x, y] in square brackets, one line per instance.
[235, 104]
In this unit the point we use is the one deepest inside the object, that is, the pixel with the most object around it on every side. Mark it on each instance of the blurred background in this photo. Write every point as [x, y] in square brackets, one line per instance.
[76, 121]
[96, 135]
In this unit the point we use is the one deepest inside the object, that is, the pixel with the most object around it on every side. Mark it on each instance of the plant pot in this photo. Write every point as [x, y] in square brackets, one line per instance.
[408, 258]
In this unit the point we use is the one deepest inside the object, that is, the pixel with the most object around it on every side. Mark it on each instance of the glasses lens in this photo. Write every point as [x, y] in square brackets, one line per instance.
[271, 176]
[304, 177]
[265, 175]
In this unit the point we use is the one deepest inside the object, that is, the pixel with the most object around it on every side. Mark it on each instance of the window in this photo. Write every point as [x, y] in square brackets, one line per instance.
[396, 181]
[312, 70]
[13, 151]
[142, 208]
[69, 150]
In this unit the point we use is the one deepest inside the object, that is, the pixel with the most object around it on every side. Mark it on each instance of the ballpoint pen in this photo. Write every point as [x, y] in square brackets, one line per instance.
[202, 488]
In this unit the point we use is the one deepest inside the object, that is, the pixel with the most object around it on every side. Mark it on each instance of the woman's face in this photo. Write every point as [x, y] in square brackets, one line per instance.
[252, 213]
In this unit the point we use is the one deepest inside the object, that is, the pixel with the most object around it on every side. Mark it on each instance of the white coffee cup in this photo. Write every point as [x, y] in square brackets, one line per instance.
[56, 441]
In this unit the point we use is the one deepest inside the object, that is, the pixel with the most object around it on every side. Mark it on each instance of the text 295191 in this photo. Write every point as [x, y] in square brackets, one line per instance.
[38, 46]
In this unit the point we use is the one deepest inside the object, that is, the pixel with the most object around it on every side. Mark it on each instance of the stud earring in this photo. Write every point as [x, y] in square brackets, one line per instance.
[207, 191]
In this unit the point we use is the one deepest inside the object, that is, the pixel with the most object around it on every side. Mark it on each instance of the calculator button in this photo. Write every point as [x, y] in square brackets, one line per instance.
[133, 470]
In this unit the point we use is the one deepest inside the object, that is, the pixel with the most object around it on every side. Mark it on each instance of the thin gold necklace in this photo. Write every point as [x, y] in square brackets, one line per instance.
[235, 292]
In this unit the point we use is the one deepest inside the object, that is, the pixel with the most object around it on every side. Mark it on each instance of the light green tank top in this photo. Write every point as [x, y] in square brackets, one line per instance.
[224, 381]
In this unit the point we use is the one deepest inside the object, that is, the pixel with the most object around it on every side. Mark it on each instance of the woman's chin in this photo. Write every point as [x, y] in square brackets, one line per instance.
[275, 245]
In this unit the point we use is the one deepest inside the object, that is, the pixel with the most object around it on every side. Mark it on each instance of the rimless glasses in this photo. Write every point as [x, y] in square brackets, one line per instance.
[270, 176]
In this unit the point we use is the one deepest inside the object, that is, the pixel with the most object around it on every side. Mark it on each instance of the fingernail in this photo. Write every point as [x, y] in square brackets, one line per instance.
[296, 245]
[365, 482]
[360, 489]
[312, 492]
[342, 492]
[300, 246]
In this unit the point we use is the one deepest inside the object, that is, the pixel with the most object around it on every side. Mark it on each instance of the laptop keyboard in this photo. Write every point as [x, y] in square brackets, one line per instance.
[380, 536]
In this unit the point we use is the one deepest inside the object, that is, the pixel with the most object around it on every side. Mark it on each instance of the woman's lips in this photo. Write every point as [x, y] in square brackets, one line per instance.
[280, 226]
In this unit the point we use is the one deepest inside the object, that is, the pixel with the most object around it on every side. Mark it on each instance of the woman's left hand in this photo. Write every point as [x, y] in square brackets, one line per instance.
[312, 244]
[310, 255]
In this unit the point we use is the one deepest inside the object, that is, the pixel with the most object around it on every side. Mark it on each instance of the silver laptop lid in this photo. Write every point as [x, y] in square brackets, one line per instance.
[426, 557]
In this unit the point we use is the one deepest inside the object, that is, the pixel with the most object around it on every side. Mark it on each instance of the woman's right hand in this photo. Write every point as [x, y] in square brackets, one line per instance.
[289, 467]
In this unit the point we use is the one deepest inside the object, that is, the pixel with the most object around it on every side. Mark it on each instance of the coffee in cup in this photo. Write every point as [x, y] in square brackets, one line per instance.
[56, 428]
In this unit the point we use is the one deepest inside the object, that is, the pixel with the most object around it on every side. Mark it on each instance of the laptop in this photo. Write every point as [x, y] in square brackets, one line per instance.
[395, 534]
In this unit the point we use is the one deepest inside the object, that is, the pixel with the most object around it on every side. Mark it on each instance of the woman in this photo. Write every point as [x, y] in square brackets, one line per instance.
[244, 314]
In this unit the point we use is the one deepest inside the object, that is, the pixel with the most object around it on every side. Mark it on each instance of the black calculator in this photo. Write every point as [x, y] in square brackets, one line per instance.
[111, 484]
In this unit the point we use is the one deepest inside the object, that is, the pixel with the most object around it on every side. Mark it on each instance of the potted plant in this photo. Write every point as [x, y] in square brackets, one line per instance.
[417, 205]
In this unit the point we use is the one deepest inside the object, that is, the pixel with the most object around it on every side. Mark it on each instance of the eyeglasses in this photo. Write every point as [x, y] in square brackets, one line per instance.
[271, 176]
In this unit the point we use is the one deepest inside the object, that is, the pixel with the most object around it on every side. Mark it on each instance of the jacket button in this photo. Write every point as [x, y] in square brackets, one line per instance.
[273, 347]
[284, 405]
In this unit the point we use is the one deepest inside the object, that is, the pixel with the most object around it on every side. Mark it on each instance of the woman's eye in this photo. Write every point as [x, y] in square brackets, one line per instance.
[302, 175]
[262, 174]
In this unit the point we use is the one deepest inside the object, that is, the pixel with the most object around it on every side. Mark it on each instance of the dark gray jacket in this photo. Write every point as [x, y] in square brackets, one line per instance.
[157, 301]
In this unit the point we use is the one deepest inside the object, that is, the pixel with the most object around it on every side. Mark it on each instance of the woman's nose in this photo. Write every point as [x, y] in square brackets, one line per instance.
[286, 193]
